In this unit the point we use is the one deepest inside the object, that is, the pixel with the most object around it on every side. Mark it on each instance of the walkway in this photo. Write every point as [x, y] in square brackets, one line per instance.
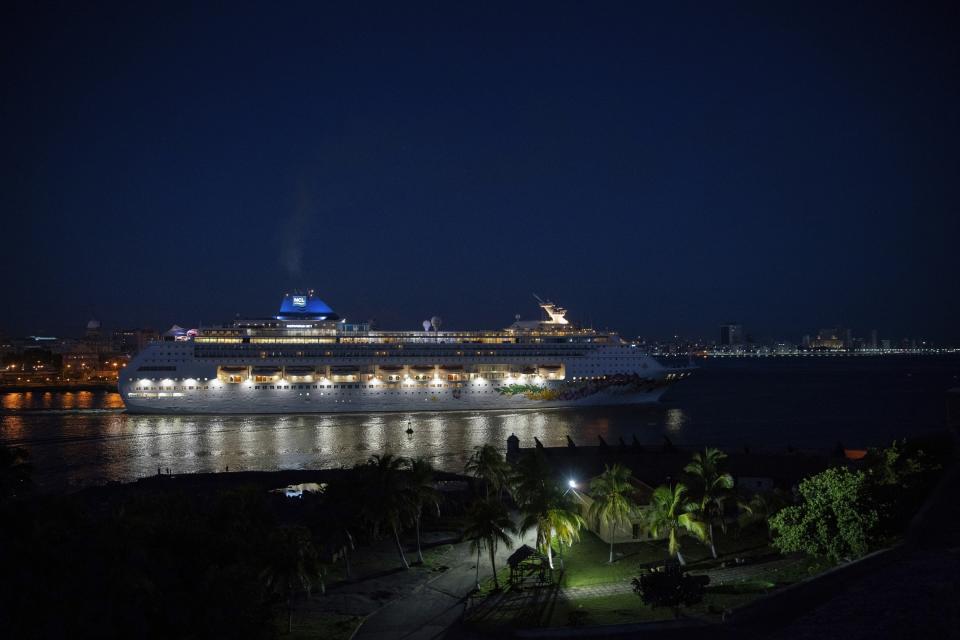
[429, 609]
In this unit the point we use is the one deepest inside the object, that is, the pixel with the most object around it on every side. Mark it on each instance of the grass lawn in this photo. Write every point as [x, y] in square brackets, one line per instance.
[586, 562]
[330, 626]
[629, 609]
[614, 609]
[486, 585]
[383, 557]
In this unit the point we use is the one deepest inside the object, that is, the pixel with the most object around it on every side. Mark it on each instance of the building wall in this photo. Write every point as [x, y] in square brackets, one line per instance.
[632, 532]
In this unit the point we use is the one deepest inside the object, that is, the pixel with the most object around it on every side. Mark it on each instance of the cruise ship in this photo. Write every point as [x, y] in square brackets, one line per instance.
[306, 359]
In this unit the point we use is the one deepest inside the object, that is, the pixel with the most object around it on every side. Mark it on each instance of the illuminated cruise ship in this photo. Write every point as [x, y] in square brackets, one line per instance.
[306, 359]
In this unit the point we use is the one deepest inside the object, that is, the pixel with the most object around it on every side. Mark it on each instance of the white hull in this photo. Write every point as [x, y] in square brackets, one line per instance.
[238, 400]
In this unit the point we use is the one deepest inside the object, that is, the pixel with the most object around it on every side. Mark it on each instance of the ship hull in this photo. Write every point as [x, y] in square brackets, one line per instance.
[242, 401]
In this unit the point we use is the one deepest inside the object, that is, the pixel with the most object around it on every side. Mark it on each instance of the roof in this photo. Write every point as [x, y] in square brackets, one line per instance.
[523, 553]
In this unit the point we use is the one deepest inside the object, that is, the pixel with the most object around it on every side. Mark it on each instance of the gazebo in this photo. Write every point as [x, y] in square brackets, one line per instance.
[526, 564]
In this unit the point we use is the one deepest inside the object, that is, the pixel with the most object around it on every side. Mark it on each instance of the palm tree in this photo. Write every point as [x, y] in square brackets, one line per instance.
[487, 464]
[292, 565]
[339, 520]
[385, 497]
[612, 504]
[543, 505]
[564, 524]
[422, 493]
[670, 515]
[487, 525]
[714, 488]
[760, 508]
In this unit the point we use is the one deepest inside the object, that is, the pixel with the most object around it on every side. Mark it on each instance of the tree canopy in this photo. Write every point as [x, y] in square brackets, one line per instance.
[836, 518]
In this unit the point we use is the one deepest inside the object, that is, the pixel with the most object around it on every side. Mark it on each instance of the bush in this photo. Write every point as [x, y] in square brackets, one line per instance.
[669, 586]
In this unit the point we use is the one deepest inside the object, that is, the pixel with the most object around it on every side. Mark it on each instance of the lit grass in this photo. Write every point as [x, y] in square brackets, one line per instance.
[486, 585]
[628, 608]
[329, 626]
[586, 562]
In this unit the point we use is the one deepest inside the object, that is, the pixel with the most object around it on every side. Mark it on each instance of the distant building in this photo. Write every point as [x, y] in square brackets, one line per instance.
[833, 338]
[731, 334]
[784, 348]
[873, 339]
[132, 341]
[81, 364]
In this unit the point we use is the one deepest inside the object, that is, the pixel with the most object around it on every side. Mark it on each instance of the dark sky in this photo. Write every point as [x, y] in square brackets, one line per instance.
[656, 168]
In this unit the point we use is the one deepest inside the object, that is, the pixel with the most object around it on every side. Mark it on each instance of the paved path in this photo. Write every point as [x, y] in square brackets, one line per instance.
[433, 607]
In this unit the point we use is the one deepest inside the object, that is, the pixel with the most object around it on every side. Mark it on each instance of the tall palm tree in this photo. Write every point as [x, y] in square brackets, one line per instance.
[487, 464]
[339, 520]
[565, 524]
[714, 486]
[423, 493]
[543, 505]
[613, 503]
[488, 525]
[670, 514]
[292, 565]
[385, 497]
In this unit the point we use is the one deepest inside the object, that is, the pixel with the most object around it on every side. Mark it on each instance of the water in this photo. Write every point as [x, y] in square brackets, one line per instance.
[84, 438]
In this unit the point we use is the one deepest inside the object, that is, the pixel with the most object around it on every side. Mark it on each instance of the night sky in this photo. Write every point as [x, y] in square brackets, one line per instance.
[657, 169]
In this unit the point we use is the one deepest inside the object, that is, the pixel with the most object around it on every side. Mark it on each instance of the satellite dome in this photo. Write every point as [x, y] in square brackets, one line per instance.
[93, 324]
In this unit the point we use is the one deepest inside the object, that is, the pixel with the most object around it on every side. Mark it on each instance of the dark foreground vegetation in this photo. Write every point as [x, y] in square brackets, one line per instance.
[170, 559]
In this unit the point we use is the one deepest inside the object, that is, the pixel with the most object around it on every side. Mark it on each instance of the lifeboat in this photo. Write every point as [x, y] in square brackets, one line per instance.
[267, 371]
[344, 371]
[452, 367]
[422, 367]
[300, 371]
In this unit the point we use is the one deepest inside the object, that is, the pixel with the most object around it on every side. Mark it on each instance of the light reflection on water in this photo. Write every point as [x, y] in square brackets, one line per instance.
[76, 446]
[84, 437]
